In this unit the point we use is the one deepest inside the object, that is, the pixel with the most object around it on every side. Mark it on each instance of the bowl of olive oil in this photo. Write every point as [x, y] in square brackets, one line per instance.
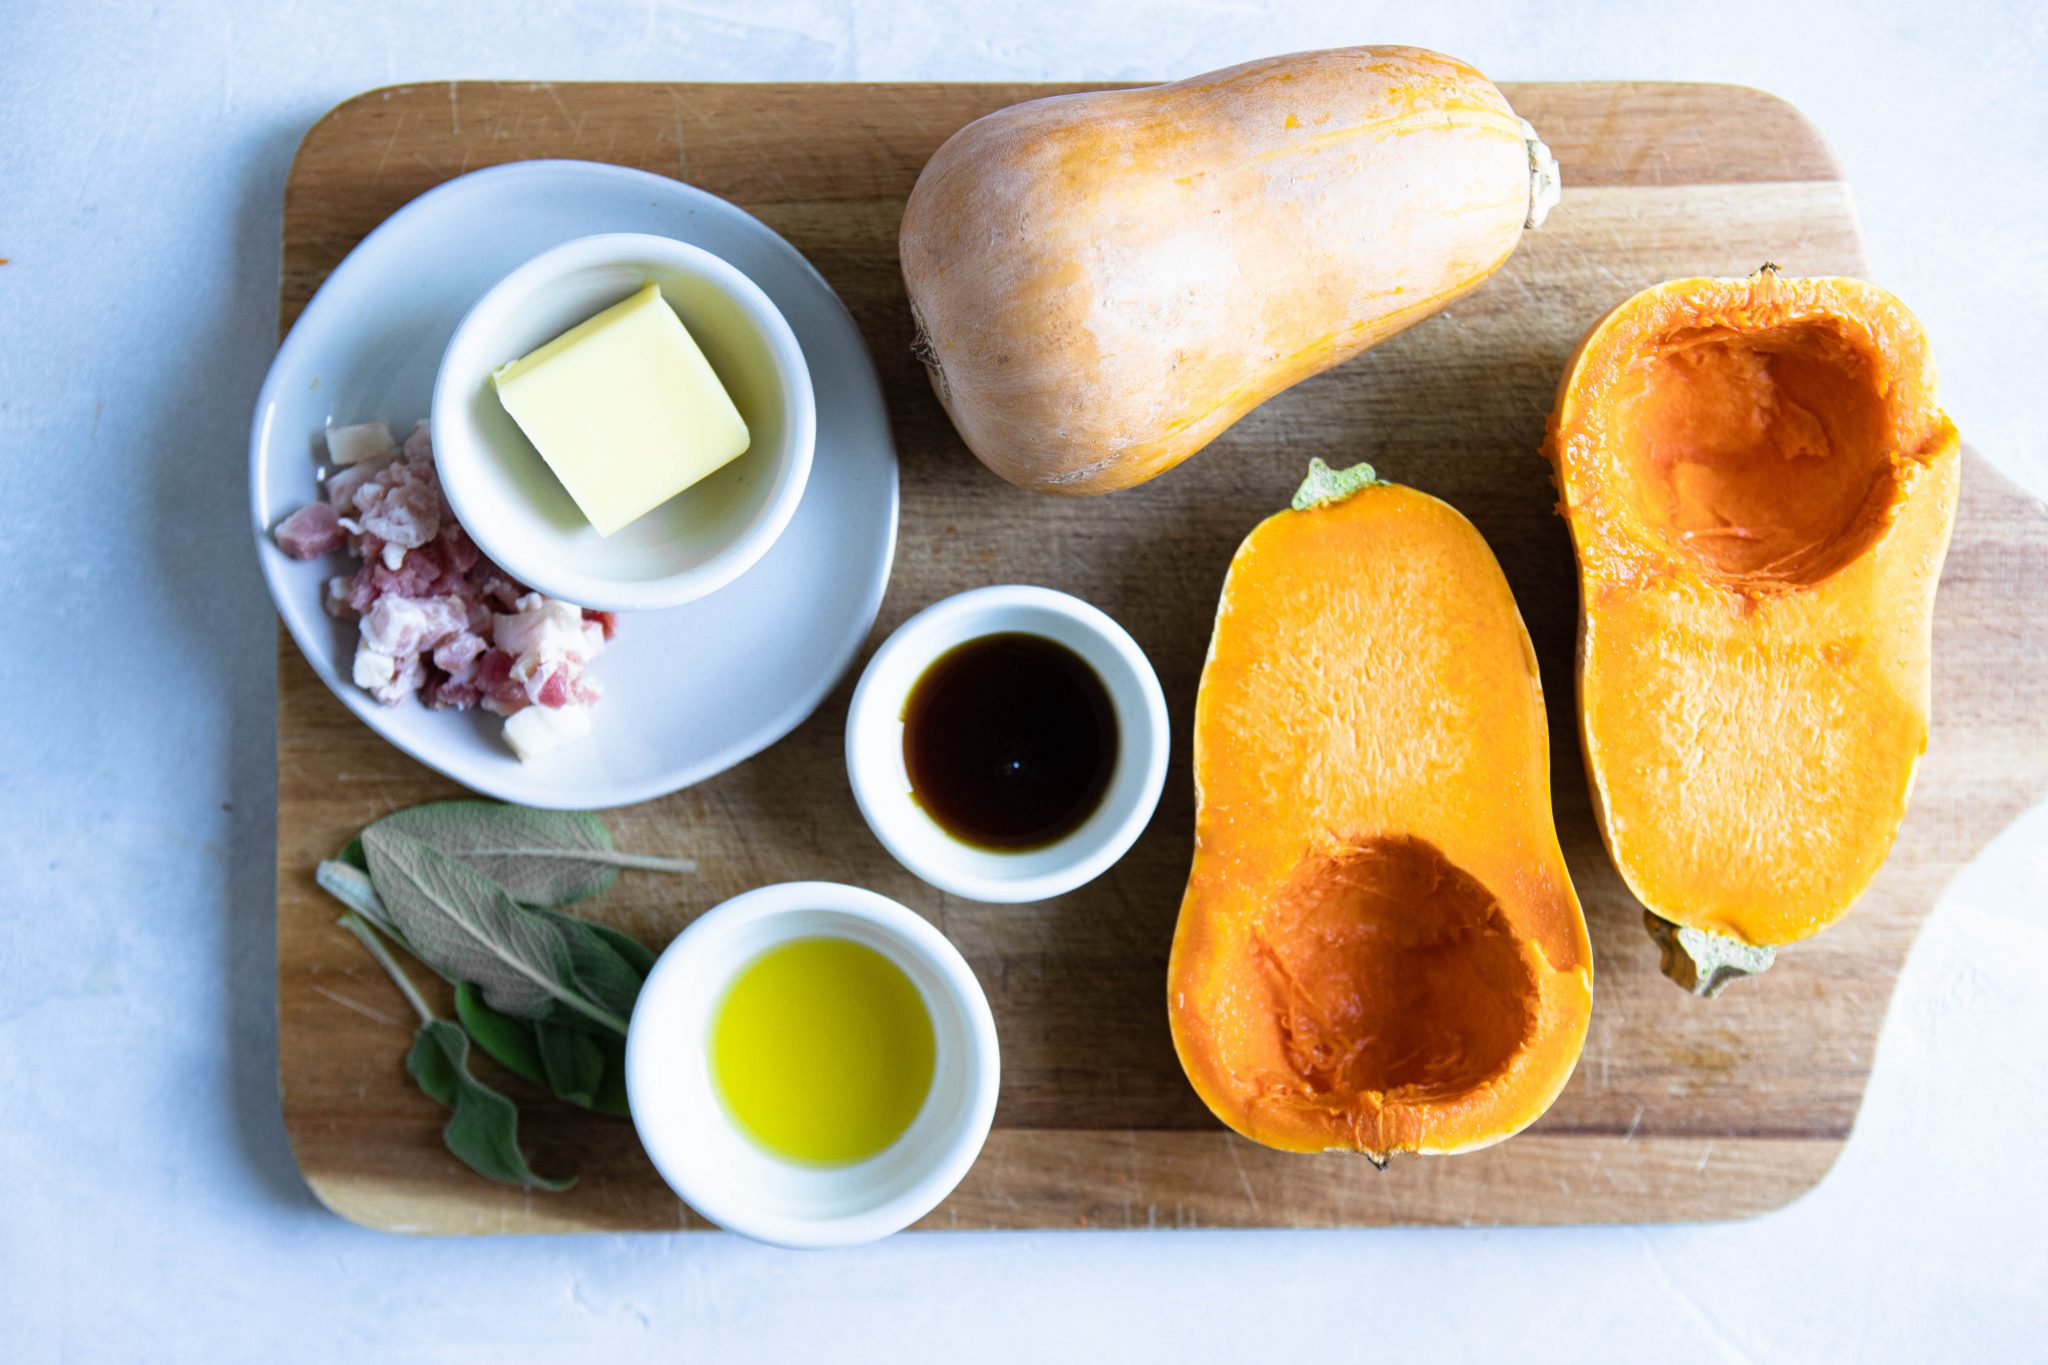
[812, 1065]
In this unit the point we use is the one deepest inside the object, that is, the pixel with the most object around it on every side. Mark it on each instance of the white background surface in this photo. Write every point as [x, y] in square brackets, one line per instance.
[149, 1208]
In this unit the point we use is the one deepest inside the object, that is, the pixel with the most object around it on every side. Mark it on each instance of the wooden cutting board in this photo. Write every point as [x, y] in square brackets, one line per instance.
[1681, 1108]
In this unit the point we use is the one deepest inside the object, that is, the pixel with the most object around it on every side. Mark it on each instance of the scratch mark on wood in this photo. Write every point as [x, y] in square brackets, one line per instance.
[675, 101]
[359, 1007]
[389, 143]
[1244, 1180]
[574, 121]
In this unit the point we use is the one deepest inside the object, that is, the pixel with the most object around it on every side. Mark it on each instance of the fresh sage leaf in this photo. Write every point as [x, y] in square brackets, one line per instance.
[574, 1065]
[524, 1048]
[611, 1092]
[352, 854]
[356, 890]
[510, 1042]
[351, 886]
[483, 1127]
[540, 857]
[527, 964]
[637, 955]
[483, 1130]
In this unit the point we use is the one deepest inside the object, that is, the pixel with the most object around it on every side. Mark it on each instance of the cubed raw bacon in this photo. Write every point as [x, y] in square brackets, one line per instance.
[502, 692]
[554, 688]
[411, 625]
[450, 694]
[419, 445]
[363, 441]
[436, 618]
[498, 588]
[342, 485]
[542, 629]
[457, 655]
[311, 532]
[337, 597]
[457, 549]
[402, 505]
[390, 678]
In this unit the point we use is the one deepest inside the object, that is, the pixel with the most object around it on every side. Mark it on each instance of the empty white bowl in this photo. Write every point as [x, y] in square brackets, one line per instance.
[714, 1167]
[516, 510]
[881, 779]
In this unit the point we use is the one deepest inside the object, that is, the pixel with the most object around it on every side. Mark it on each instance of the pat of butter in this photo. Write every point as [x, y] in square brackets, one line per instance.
[625, 410]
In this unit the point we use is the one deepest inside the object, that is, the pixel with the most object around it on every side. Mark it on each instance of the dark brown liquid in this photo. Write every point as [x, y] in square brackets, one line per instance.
[1009, 741]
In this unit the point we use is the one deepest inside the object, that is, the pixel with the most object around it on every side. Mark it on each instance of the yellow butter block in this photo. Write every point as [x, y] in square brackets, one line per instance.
[625, 409]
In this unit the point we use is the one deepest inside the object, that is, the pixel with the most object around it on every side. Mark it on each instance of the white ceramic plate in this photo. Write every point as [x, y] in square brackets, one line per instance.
[691, 690]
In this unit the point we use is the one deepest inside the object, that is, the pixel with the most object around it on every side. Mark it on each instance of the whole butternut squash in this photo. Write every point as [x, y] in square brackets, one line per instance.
[1102, 283]
[1760, 486]
[1379, 949]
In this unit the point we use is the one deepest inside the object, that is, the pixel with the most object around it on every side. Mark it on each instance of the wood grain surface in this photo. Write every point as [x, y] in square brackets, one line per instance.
[1680, 1109]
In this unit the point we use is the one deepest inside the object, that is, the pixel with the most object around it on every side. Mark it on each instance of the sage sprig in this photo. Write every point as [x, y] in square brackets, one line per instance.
[465, 926]
[522, 1045]
[473, 890]
[483, 1126]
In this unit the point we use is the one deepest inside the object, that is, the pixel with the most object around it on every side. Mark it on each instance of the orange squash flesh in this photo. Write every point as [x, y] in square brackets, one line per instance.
[1760, 487]
[1379, 948]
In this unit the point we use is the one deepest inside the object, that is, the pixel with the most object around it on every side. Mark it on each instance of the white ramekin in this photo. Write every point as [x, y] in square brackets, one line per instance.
[519, 514]
[714, 1167]
[881, 780]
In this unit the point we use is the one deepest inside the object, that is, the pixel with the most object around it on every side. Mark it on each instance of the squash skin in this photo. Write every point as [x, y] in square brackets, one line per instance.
[1104, 282]
[1751, 732]
[1370, 687]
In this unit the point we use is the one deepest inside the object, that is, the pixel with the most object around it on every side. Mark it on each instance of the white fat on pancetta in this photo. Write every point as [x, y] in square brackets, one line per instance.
[363, 441]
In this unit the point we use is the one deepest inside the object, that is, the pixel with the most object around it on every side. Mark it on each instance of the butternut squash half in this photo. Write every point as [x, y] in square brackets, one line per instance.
[1760, 488]
[1102, 283]
[1379, 949]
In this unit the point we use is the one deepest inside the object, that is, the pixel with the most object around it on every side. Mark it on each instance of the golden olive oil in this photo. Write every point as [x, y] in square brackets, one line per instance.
[822, 1051]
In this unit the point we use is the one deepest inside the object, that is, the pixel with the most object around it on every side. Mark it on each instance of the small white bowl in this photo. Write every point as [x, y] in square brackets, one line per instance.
[725, 1176]
[881, 779]
[517, 511]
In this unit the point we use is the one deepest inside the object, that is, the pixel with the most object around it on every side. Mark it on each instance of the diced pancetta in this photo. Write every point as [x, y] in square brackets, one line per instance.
[457, 655]
[410, 625]
[401, 506]
[337, 597]
[311, 532]
[363, 441]
[436, 619]
[342, 485]
[387, 677]
[541, 629]
[450, 694]
[419, 446]
[537, 730]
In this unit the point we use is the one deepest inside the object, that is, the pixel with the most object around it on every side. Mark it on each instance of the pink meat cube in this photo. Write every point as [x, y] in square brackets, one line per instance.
[311, 532]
